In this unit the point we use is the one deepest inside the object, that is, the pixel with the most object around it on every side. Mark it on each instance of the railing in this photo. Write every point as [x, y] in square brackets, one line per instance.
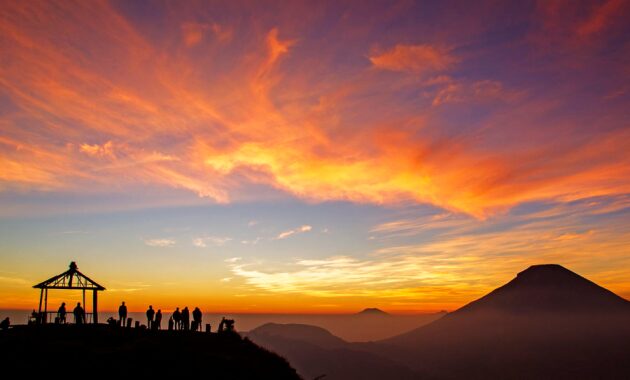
[53, 317]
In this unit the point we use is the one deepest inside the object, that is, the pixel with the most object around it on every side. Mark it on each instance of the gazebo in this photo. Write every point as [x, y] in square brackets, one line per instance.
[70, 279]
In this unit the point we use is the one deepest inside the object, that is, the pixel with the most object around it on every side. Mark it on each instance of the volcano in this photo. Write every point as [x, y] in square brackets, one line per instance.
[548, 322]
[549, 288]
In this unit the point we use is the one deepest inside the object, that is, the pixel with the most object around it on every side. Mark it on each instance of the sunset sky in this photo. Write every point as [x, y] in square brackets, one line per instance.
[315, 157]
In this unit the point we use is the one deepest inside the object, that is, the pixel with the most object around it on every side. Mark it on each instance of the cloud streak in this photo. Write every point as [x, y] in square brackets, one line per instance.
[161, 243]
[288, 233]
[462, 262]
[414, 58]
[218, 241]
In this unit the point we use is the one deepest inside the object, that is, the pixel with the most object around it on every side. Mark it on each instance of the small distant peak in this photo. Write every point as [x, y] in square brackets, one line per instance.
[372, 311]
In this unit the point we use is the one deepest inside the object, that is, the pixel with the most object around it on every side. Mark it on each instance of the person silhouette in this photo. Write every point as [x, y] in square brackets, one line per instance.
[186, 318]
[4, 325]
[61, 313]
[197, 319]
[158, 320]
[150, 315]
[177, 317]
[122, 314]
[35, 317]
[79, 314]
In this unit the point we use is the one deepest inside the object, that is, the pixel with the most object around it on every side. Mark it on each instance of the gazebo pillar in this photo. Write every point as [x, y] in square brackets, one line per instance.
[45, 319]
[39, 311]
[95, 306]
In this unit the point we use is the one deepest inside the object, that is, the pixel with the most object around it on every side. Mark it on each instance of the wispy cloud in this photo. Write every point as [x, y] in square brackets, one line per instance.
[416, 58]
[299, 230]
[255, 241]
[416, 225]
[479, 92]
[463, 260]
[218, 241]
[160, 242]
[13, 280]
[75, 123]
[73, 232]
[128, 287]
[95, 150]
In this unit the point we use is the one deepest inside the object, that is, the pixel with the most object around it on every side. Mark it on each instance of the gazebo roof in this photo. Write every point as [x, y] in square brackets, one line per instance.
[70, 279]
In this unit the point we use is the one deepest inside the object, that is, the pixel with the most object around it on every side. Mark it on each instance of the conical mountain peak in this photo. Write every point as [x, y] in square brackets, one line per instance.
[549, 288]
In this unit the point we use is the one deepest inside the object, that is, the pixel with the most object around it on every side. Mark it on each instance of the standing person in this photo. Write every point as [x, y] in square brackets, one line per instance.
[158, 320]
[186, 318]
[197, 318]
[61, 313]
[150, 315]
[177, 317]
[79, 314]
[122, 314]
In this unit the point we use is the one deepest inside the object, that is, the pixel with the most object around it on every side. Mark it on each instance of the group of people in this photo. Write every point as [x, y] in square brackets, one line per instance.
[62, 313]
[78, 312]
[154, 319]
[180, 320]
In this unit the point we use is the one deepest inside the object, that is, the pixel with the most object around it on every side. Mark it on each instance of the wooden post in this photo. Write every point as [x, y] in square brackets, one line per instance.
[45, 320]
[41, 297]
[84, 305]
[95, 307]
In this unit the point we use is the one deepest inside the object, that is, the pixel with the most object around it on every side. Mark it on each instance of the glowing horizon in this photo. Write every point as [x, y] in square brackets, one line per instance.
[312, 157]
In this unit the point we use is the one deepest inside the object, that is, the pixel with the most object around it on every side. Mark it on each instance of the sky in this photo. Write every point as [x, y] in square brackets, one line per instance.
[311, 157]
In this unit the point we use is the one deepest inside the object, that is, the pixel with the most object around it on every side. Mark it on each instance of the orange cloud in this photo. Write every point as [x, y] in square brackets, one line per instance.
[415, 58]
[262, 113]
[193, 32]
[105, 150]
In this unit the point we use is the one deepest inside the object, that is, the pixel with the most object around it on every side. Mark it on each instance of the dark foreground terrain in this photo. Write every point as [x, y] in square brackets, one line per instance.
[99, 350]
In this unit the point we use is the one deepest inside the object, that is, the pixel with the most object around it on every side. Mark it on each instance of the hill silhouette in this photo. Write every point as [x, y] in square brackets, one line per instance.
[548, 322]
[306, 333]
[70, 349]
[314, 352]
